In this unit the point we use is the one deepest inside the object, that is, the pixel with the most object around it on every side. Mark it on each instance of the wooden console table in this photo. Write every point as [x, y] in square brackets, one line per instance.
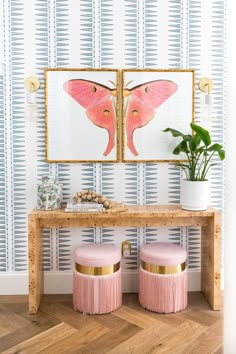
[146, 215]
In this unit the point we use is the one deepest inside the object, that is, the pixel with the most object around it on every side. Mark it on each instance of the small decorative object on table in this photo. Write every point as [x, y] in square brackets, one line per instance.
[199, 152]
[49, 193]
[74, 207]
[88, 200]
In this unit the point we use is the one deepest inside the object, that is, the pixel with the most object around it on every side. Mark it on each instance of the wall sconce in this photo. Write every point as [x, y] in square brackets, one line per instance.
[32, 84]
[206, 85]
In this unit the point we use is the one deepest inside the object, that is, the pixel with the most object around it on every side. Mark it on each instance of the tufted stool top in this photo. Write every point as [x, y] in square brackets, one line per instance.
[97, 254]
[163, 254]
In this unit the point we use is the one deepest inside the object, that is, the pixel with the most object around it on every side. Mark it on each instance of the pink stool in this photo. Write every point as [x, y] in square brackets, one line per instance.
[97, 278]
[163, 277]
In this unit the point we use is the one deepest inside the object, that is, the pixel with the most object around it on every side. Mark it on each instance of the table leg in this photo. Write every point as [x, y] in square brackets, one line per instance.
[211, 261]
[35, 264]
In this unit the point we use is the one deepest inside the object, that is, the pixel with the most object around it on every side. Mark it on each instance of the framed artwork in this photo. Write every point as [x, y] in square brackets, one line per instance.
[152, 101]
[82, 115]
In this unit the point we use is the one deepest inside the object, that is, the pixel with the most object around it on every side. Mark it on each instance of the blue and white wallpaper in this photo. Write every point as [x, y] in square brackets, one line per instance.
[99, 34]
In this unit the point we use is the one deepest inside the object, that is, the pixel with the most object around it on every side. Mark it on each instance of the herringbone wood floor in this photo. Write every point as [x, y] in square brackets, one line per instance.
[57, 328]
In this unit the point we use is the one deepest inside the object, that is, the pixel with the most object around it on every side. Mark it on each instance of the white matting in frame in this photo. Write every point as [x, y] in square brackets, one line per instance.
[152, 101]
[81, 115]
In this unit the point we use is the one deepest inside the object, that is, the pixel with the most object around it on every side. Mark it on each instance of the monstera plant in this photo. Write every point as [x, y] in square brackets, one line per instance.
[199, 152]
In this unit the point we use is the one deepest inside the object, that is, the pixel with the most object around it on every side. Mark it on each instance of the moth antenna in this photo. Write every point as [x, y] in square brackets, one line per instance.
[129, 82]
[112, 82]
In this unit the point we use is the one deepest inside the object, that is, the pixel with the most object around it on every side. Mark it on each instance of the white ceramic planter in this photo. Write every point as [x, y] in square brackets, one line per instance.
[194, 195]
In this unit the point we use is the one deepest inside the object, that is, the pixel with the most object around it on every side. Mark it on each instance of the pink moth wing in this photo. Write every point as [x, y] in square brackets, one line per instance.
[96, 98]
[142, 102]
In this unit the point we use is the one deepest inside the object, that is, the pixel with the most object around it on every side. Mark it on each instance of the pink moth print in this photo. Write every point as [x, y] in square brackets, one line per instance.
[141, 103]
[99, 102]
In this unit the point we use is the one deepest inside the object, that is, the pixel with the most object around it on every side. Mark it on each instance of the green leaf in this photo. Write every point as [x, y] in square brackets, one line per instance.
[200, 149]
[174, 132]
[215, 147]
[188, 137]
[203, 133]
[221, 154]
[181, 147]
[194, 142]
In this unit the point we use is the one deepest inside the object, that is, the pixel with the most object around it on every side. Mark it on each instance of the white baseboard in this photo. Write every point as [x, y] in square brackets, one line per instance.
[14, 283]
[61, 282]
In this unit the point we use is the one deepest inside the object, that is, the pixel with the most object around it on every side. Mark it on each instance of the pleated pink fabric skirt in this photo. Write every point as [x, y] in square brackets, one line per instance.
[97, 294]
[163, 293]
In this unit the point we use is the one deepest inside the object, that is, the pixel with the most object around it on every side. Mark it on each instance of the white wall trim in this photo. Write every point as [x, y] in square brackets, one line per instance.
[61, 282]
[14, 283]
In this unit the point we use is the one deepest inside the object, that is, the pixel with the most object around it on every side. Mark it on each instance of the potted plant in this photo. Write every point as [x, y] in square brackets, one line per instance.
[199, 152]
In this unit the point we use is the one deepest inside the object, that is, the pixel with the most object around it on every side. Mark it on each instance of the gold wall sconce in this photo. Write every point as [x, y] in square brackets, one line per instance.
[32, 84]
[206, 85]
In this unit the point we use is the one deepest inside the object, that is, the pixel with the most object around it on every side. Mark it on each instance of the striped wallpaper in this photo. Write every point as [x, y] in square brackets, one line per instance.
[99, 34]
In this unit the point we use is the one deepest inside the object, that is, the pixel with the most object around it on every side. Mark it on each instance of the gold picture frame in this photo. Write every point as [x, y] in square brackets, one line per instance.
[82, 115]
[147, 93]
